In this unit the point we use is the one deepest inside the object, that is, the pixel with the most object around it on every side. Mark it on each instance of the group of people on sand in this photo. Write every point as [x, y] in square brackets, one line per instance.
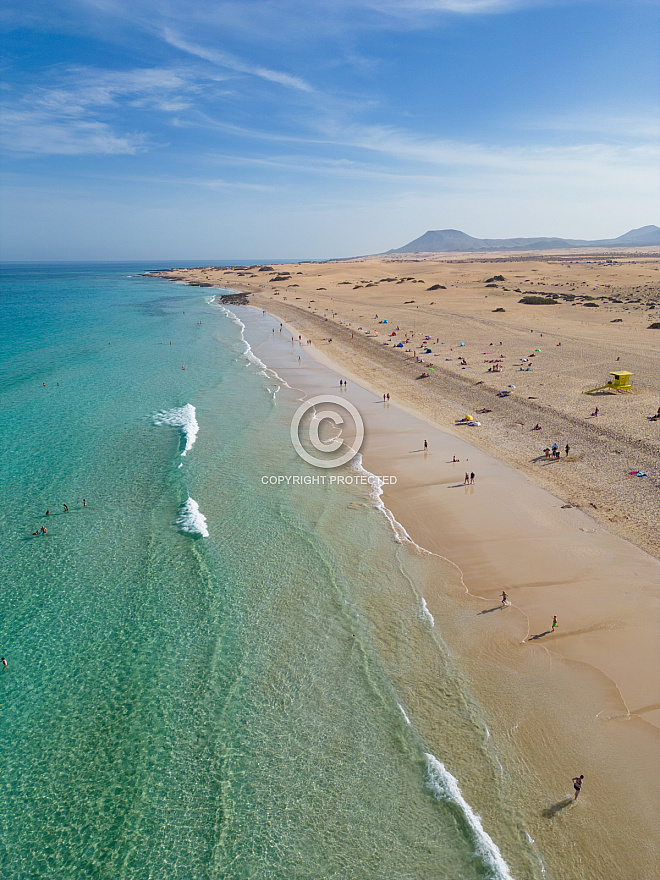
[554, 452]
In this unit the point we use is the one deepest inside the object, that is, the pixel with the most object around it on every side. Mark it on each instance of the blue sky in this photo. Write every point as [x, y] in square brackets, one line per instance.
[255, 129]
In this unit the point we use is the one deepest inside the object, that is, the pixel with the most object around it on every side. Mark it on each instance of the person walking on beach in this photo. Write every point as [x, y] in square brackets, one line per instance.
[554, 622]
[505, 599]
[577, 785]
[567, 449]
[472, 477]
[467, 479]
[426, 446]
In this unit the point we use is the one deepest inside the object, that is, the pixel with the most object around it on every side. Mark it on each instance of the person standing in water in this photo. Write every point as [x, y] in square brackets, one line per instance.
[577, 785]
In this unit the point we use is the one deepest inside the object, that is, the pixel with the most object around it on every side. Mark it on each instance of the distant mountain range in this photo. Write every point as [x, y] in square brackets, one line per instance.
[443, 240]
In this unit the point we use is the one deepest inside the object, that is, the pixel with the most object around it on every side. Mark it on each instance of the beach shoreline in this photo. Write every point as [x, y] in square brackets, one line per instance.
[553, 558]
[596, 725]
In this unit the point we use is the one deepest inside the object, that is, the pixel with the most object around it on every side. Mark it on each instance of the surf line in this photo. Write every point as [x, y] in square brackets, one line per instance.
[191, 520]
[248, 354]
[445, 787]
[181, 417]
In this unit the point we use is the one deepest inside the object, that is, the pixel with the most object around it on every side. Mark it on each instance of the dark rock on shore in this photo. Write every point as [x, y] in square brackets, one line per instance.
[237, 299]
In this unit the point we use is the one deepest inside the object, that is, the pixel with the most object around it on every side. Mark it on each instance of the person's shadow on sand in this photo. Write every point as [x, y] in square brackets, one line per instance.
[488, 610]
[552, 811]
[539, 635]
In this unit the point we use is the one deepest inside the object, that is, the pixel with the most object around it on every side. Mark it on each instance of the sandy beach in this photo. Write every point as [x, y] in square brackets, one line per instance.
[574, 537]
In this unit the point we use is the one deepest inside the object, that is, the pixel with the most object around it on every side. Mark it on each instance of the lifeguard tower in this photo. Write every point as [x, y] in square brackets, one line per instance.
[619, 382]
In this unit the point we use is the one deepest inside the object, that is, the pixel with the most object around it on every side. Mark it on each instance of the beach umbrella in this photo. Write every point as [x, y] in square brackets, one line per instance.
[468, 418]
[537, 349]
[510, 386]
[461, 343]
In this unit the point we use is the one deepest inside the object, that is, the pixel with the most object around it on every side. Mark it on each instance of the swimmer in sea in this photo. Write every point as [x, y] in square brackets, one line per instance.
[66, 508]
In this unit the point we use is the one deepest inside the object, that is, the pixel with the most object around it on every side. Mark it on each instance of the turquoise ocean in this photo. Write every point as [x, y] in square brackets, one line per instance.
[208, 676]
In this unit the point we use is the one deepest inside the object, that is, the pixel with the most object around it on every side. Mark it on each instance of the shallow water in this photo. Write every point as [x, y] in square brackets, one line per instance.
[209, 676]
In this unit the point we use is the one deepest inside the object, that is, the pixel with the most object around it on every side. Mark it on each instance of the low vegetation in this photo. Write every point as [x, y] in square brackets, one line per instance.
[530, 300]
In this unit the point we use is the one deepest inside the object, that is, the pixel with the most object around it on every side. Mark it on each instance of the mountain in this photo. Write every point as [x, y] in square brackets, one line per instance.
[453, 240]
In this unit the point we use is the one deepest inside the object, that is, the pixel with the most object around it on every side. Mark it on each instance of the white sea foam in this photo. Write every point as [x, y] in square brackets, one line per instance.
[181, 417]
[248, 354]
[190, 520]
[403, 712]
[426, 613]
[376, 492]
[445, 786]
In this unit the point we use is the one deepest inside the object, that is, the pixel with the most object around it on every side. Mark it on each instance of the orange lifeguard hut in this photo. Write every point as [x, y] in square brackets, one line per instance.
[619, 382]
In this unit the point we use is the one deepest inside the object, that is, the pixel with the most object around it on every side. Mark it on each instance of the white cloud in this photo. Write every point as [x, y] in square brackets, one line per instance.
[65, 118]
[228, 61]
[35, 132]
[617, 126]
[460, 7]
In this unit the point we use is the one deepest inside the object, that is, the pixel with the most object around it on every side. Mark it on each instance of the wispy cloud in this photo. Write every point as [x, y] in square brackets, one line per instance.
[75, 115]
[36, 132]
[604, 123]
[460, 7]
[230, 62]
